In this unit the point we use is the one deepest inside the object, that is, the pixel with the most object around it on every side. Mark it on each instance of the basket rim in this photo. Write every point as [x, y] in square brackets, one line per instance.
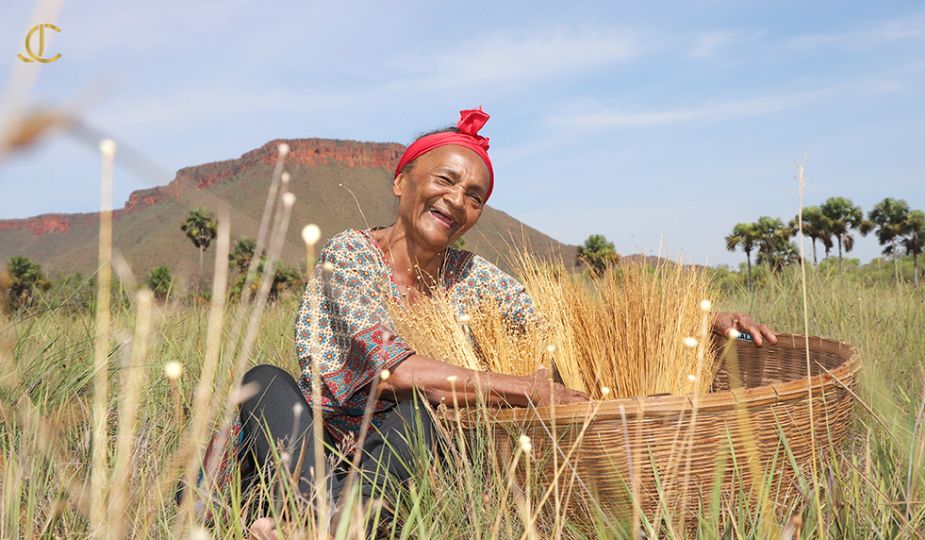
[672, 405]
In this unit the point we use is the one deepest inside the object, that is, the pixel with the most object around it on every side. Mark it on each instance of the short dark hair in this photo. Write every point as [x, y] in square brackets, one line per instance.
[448, 129]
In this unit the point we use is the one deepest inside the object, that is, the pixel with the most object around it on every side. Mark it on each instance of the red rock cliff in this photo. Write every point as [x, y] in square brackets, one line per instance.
[304, 152]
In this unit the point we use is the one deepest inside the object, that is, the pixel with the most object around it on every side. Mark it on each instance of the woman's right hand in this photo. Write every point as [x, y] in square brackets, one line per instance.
[545, 392]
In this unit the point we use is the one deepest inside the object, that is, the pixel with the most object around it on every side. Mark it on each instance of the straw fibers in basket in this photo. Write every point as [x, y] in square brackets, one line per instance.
[733, 435]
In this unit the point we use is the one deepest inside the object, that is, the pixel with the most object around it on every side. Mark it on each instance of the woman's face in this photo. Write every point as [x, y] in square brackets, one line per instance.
[441, 197]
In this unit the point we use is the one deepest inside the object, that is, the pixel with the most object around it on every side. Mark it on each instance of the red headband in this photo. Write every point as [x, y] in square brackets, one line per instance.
[470, 122]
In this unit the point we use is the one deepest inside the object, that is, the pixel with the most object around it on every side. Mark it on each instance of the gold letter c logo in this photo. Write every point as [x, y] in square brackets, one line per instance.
[37, 57]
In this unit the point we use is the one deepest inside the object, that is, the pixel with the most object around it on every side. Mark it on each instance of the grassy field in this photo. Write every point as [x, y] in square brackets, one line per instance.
[875, 487]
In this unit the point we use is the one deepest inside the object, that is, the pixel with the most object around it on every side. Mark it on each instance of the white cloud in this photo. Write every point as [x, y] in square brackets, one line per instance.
[99, 27]
[906, 28]
[519, 61]
[190, 105]
[609, 118]
[708, 45]
[500, 62]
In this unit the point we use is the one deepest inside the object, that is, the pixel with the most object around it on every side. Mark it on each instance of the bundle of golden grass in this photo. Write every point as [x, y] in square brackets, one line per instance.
[478, 339]
[637, 329]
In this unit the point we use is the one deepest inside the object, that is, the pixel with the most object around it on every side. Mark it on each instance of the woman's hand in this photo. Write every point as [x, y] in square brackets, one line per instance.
[444, 383]
[545, 392]
[741, 322]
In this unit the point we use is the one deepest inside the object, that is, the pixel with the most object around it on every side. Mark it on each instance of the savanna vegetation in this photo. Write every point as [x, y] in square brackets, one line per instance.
[834, 224]
[874, 487]
[171, 357]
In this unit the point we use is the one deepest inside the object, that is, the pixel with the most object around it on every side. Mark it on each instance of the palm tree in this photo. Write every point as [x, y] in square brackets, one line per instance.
[843, 216]
[816, 227]
[745, 236]
[285, 278]
[200, 227]
[160, 281]
[889, 219]
[773, 243]
[827, 244]
[914, 240]
[242, 254]
[25, 278]
[597, 253]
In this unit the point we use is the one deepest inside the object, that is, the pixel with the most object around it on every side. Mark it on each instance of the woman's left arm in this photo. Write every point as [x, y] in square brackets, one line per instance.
[742, 322]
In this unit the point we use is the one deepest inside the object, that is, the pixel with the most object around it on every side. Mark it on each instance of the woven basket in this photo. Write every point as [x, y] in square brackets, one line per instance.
[688, 451]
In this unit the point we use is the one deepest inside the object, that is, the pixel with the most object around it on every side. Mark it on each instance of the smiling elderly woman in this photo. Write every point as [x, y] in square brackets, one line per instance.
[442, 182]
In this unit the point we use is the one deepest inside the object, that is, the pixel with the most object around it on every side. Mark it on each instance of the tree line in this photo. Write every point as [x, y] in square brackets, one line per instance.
[24, 280]
[834, 223]
[201, 228]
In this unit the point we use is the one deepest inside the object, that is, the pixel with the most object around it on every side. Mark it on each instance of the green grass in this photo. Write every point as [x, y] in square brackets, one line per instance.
[875, 487]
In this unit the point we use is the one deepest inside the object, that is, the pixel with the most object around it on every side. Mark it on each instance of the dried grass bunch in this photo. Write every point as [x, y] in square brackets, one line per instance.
[637, 329]
[478, 339]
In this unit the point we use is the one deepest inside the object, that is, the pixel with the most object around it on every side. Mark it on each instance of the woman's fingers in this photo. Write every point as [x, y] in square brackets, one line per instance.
[768, 334]
[568, 395]
[759, 333]
[723, 323]
[753, 330]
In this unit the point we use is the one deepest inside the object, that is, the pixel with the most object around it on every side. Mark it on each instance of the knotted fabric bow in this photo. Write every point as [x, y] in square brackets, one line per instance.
[470, 122]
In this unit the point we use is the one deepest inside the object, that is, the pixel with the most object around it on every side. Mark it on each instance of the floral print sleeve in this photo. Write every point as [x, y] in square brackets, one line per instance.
[342, 319]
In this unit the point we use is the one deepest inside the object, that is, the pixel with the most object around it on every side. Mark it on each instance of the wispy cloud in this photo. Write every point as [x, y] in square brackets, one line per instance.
[906, 28]
[708, 45]
[98, 27]
[189, 105]
[708, 112]
[595, 116]
[521, 60]
[503, 63]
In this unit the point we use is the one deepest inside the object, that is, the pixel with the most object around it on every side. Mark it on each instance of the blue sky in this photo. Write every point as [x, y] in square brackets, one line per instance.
[648, 122]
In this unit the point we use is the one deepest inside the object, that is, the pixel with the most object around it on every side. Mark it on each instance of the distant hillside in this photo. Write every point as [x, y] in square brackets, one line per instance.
[147, 230]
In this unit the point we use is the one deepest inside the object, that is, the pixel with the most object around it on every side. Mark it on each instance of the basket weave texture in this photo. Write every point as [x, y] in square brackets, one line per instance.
[756, 420]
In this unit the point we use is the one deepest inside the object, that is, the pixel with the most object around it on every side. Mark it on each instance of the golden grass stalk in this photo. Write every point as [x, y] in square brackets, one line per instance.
[133, 381]
[220, 404]
[203, 396]
[282, 150]
[801, 180]
[687, 449]
[98, 483]
[310, 235]
[277, 238]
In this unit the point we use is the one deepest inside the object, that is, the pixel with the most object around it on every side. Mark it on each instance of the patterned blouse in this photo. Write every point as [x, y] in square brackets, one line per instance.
[343, 319]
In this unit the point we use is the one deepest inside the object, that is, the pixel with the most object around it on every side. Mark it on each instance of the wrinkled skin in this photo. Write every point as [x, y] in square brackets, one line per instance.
[441, 197]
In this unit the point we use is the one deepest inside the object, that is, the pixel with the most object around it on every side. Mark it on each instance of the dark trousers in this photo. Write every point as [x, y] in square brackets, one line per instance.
[269, 421]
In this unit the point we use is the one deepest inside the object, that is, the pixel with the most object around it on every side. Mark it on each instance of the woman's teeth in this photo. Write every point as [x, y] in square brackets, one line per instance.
[442, 218]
